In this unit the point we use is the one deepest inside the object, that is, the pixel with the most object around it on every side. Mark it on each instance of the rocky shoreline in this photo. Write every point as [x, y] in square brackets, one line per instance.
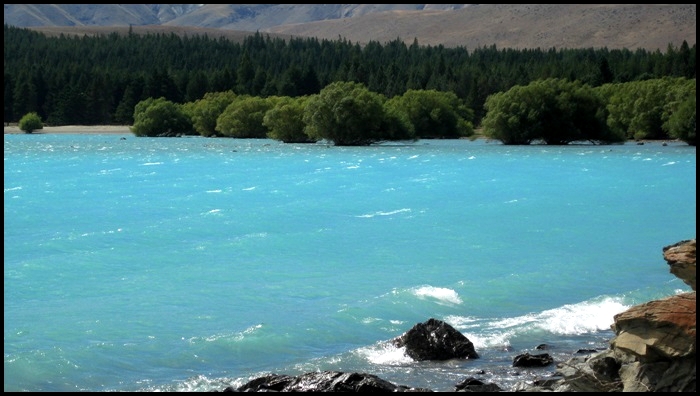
[653, 350]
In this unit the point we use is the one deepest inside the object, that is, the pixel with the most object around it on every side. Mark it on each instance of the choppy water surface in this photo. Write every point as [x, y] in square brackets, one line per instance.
[194, 264]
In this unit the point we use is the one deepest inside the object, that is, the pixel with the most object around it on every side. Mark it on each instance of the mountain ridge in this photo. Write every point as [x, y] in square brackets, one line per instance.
[520, 26]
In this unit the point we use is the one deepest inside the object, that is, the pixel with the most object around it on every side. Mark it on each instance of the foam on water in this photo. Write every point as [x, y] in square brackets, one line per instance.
[441, 294]
[191, 264]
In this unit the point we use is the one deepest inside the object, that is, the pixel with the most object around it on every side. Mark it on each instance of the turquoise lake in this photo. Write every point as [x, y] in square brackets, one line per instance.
[192, 264]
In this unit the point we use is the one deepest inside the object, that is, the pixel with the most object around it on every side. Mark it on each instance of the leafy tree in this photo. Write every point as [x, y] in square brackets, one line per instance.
[555, 111]
[512, 116]
[679, 110]
[160, 117]
[285, 121]
[30, 122]
[205, 112]
[436, 114]
[243, 118]
[347, 114]
[638, 109]
[397, 123]
[577, 114]
[73, 79]
[682, 123]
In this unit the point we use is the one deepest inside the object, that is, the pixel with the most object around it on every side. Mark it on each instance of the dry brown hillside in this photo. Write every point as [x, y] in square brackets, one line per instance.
[519, 26]
[233, 35]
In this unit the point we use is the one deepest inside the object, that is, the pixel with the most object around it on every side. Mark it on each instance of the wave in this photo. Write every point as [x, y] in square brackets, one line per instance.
[229, 337]
[582, 318]
[441, 294]
[370, 215]
[384, 353]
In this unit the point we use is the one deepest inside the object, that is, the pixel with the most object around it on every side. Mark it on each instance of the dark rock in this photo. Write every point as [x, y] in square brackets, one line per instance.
[607, 368]
[472, 384]
[527, 360]
[654, 346]
[435, 340]
[325, 381]
[547, 382]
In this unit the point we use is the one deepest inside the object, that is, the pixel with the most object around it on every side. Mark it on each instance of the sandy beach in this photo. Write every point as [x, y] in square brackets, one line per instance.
[76, 129]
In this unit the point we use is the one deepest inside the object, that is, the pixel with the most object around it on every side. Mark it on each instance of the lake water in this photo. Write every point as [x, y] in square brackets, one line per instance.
[192, 264]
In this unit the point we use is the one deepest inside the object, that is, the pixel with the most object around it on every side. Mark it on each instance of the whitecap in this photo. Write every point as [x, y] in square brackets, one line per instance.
[380, 213]
[441, 294]
[581, 318]
[384, 353]
[584, 317]
[238, 336]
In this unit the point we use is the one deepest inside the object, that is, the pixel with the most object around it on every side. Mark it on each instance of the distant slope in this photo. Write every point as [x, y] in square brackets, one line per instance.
[261, 17]
[224, 16]
[182, 31]
[520, 26]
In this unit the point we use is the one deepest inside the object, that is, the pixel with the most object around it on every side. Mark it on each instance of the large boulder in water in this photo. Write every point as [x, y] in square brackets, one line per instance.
[435, 340]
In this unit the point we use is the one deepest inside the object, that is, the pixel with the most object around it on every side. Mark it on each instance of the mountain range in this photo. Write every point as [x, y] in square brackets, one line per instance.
[520, 26]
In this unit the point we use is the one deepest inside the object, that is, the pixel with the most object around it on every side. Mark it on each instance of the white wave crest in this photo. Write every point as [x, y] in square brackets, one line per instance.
[370, 215]
[442, 294]
[384, 353]
[584, 317]
[239, 336]
[571, 319]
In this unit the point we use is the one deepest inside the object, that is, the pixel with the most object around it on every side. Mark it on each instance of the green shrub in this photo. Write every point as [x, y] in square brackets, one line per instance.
[30, 122]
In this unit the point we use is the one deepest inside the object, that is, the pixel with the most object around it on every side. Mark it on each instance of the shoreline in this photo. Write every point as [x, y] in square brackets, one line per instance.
[73, 129]
[125, 129]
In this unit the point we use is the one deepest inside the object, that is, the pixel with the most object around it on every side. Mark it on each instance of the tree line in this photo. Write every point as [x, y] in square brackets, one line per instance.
[550, 111]
[99, 80]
